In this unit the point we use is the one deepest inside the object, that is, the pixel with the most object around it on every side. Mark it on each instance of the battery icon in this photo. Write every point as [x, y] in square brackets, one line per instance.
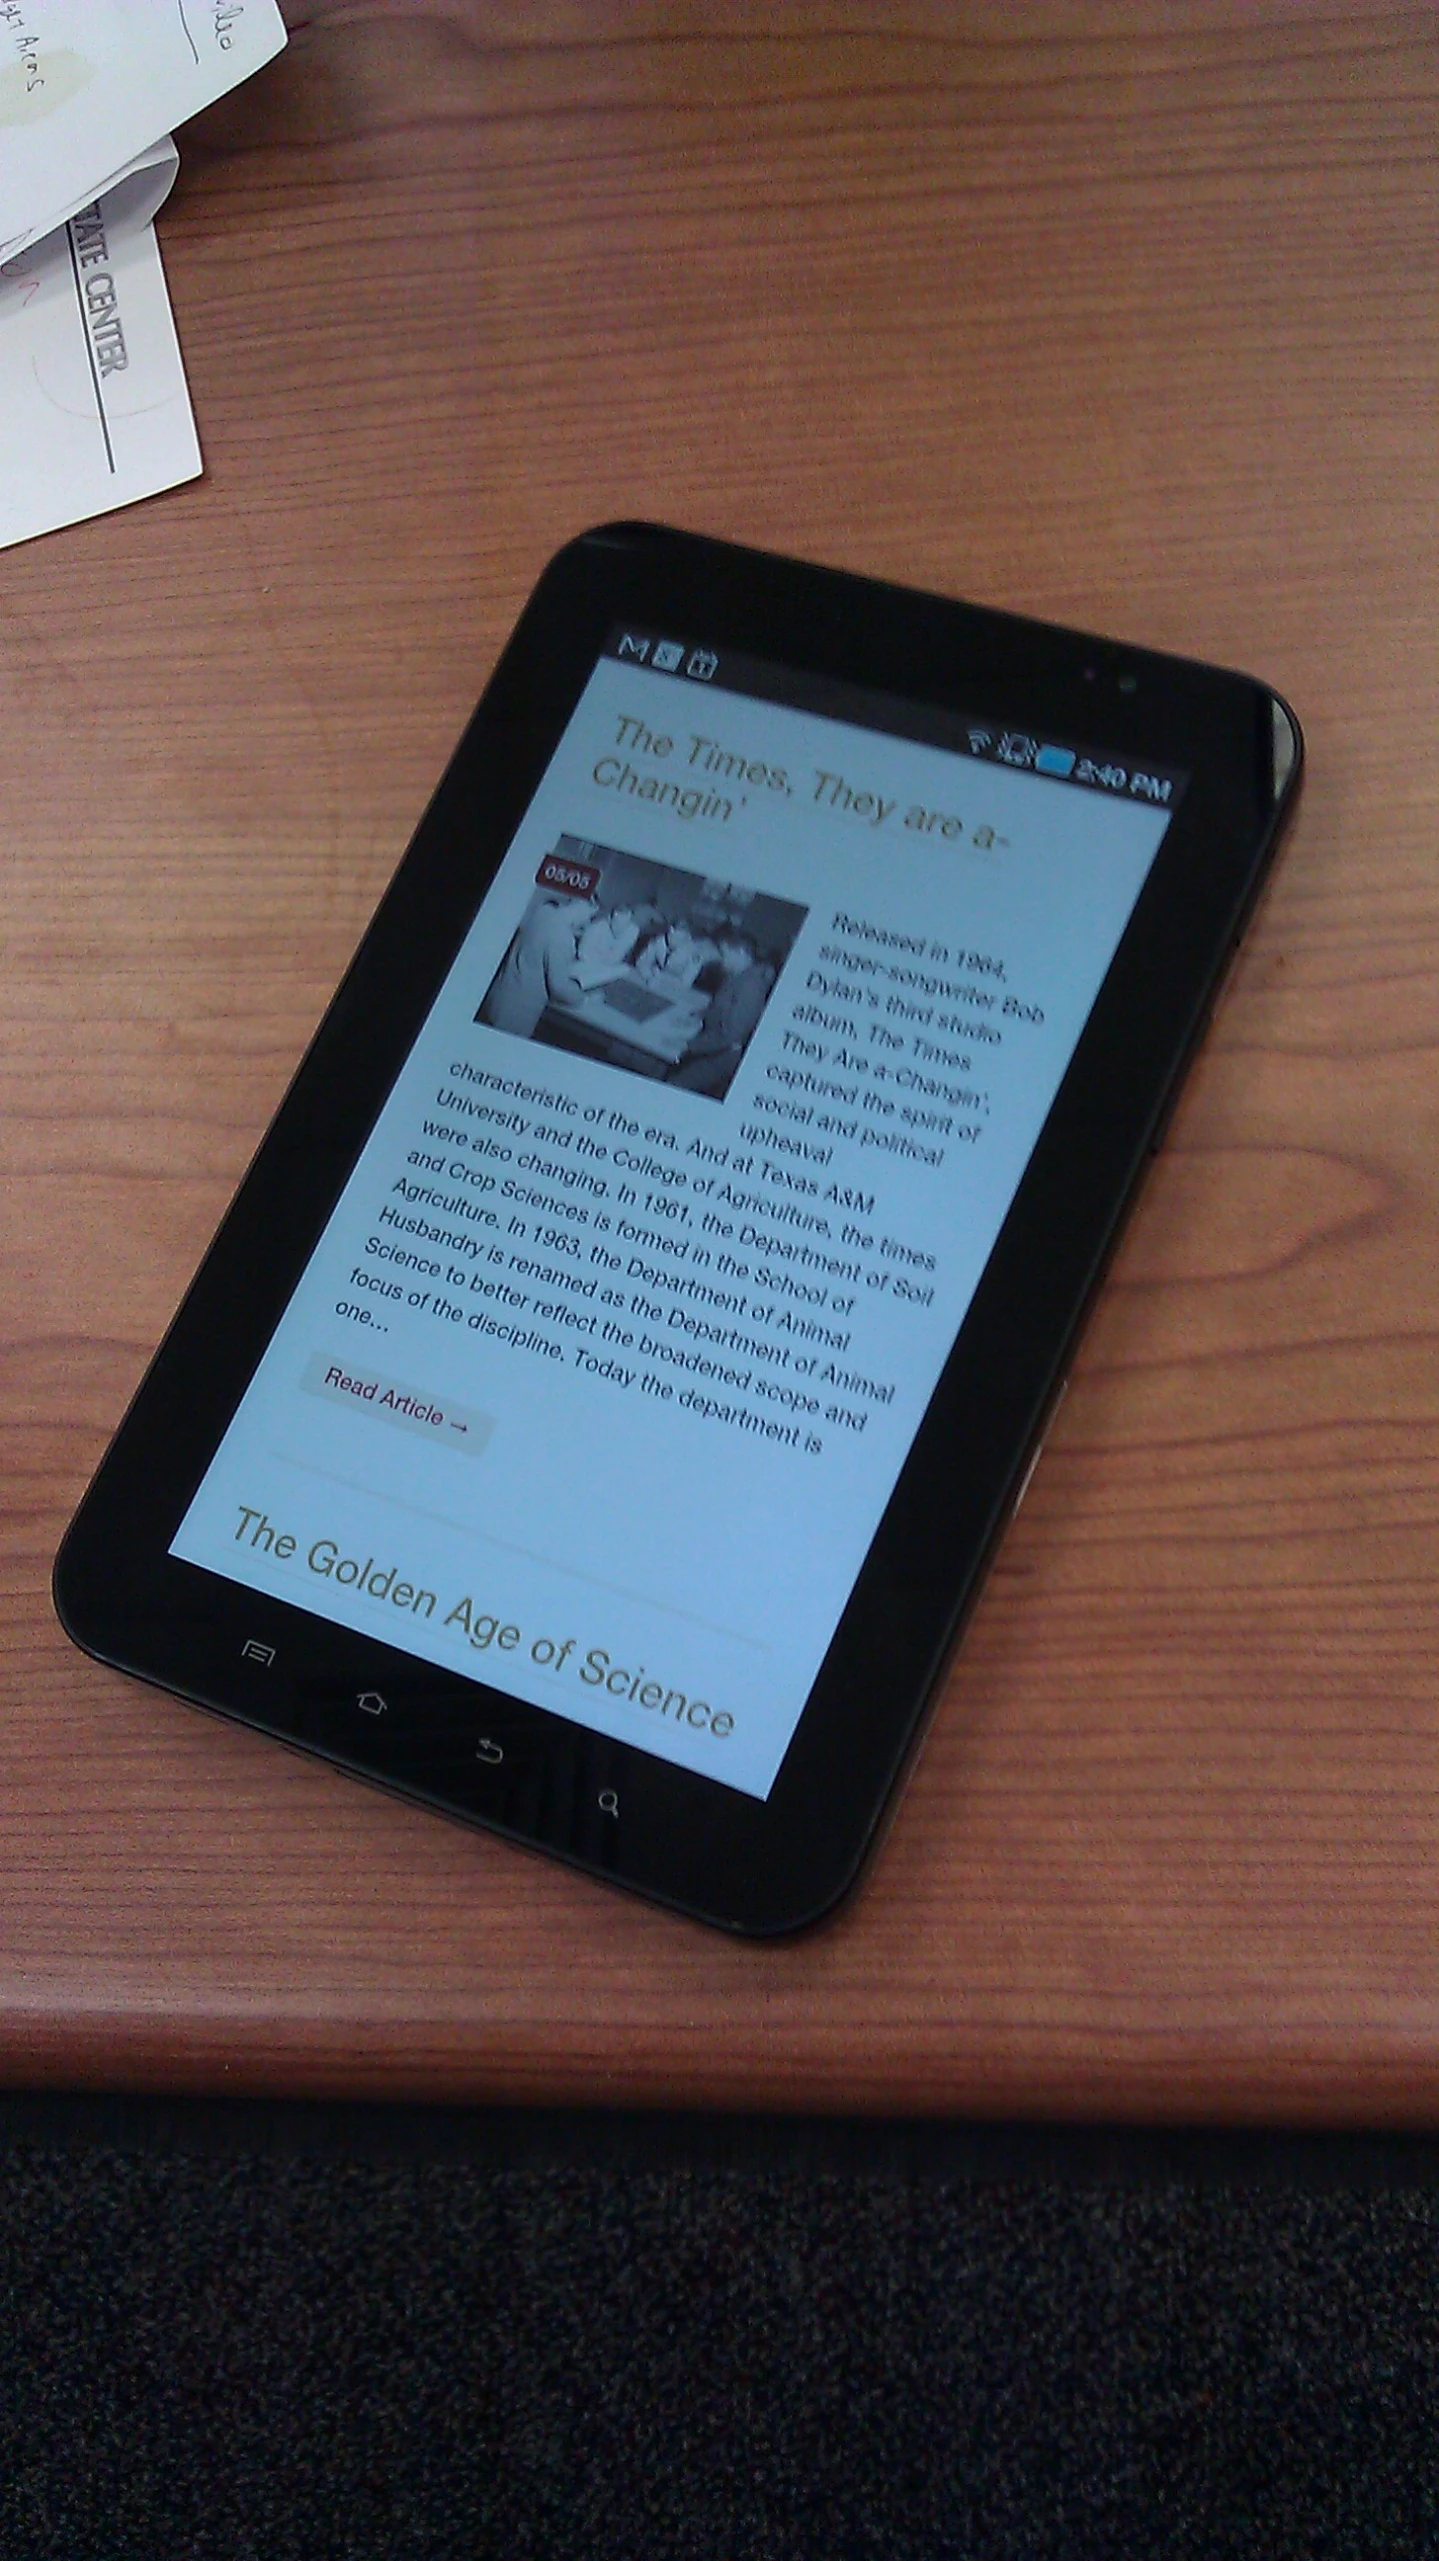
[1054, 760]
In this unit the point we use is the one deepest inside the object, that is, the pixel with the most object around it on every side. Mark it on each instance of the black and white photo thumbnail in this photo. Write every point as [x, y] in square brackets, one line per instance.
[641, 965]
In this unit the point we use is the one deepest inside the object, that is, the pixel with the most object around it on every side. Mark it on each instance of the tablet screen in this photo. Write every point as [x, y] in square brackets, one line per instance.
[602, 1374]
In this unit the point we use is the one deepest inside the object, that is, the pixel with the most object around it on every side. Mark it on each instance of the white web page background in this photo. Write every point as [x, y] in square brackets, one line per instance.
[594, 1456]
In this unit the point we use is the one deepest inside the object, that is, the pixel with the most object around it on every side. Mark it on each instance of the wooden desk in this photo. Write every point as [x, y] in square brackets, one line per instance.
[1128, 319]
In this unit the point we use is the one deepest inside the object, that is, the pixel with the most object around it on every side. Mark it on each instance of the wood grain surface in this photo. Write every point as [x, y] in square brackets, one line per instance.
[1123, 316]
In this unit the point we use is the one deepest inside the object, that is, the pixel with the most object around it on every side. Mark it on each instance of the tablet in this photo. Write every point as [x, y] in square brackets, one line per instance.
[597, 1410]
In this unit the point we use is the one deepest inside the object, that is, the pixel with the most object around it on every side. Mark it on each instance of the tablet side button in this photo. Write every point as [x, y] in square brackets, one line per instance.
[1038, 1450]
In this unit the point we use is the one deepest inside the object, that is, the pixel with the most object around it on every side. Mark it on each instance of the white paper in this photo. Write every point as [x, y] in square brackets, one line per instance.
[86, 85]
[94, 411]
[136, 192]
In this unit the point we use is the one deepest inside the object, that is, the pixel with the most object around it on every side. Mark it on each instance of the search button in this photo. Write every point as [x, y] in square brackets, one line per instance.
[609, 1802]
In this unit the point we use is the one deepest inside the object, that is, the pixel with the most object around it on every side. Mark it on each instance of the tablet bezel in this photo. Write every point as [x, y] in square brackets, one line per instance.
[757, 1866]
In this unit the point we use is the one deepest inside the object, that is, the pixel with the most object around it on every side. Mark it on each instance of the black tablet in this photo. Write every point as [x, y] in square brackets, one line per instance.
[595, 1414]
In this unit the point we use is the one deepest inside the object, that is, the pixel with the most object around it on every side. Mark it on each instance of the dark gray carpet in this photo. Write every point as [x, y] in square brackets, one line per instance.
[338, 2332]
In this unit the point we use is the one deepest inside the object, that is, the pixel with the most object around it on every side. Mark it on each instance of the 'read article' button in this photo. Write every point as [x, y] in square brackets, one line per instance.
[438, 1419]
